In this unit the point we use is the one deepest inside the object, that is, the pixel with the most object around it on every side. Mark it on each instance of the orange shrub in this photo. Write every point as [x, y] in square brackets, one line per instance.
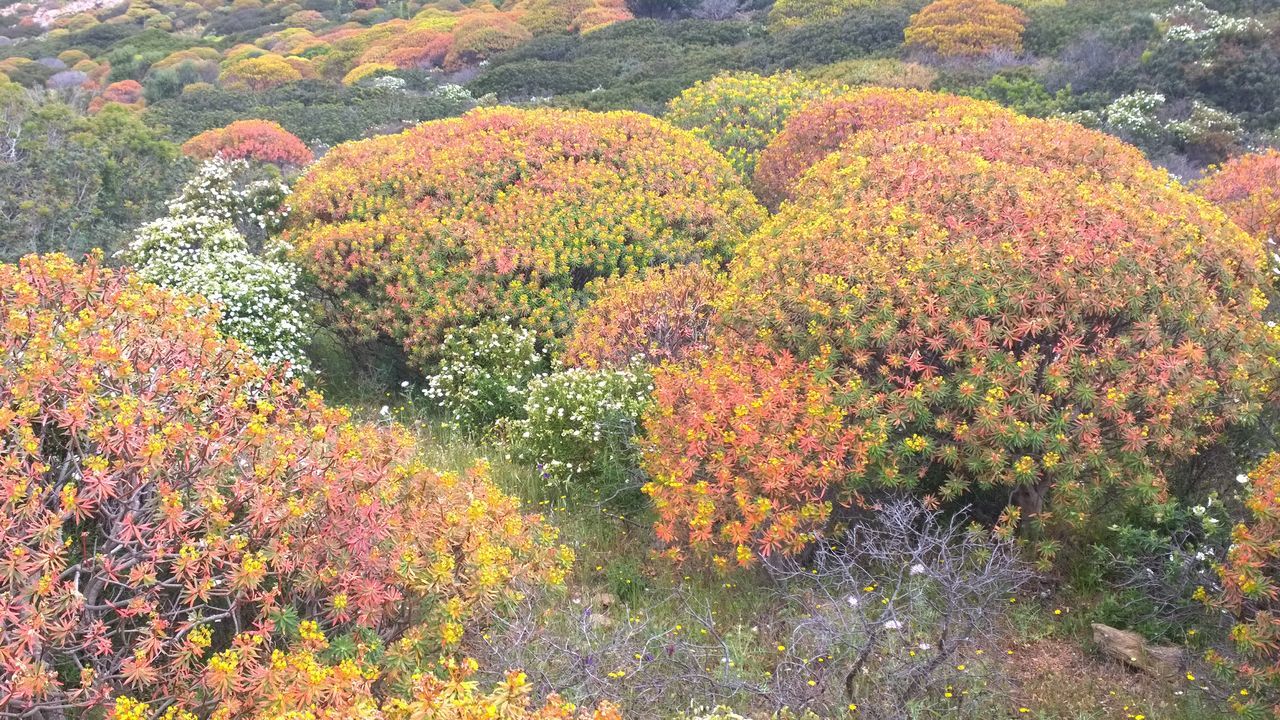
[481, 37]
[172, 515]
[748, 452]
[663, 315]
[124, 92]
[507, 213]
[259, 140]
[1048, 332]
[1248, 189]
[820, 128]
[966, 28]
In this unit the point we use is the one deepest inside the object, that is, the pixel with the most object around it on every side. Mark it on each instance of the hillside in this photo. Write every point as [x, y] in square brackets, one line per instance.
[618, 359]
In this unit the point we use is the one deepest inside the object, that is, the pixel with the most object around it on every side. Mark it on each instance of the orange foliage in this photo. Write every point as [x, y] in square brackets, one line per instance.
[124, 92]
[664, 315]
[165, 502]
[1017, 320]
[821, 127]
[966, 27]
[1248, 189]
[258, 140]
[508, 213]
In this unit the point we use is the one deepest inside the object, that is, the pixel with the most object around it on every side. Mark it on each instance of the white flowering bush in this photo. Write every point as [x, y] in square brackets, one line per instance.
[1196, 24]
[250, 198]
[258, 296]
[453, 93]
[579, 428]
[1136, 116]
[484, 374]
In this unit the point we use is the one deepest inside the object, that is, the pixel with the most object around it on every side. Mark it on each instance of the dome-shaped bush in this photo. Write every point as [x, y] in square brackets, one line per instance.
[966, 28]
[172, 515]
[739, 113]
[507, 213]
[822, 127]
[260, 140]
[1248, 189]
[992, 325]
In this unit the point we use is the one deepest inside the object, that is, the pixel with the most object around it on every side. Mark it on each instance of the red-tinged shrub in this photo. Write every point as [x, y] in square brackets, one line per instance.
[260, 140]
[1050, 333]
[748, 452]
[1015, 139]
[259, 73]
[1248, 189]
[549, 16]
[594, 18]
[966, 28]
[822, 127]
[480, 37]
[1250, 592]
[663, 315]
[164, 502]
[124, 92]
[507, 213]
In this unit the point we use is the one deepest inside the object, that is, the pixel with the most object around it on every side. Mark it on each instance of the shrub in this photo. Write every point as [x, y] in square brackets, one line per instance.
[1047, 331]
[663, 315]
[885, 72]
[507, 213]
[1248, 189]
[125, 92]
[822, 127]
[739, 113]
[258, 297]
[747, 452]
[205, 516]
[966, 28]
[366, 71]
[1249, 587]
[911, 594]
[788, 14]
[481, 37]
[579, 428]
[868, 29]
[259, 73]
[484, 374]
[259, 140]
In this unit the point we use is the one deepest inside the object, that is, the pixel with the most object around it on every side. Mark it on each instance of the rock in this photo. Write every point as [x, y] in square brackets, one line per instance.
[599, 622]
[603, 600]
[1132, 649]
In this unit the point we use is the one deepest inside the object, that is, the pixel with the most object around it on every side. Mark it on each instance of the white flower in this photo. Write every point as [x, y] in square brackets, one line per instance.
[917, 569]
[853, 600]
[1198, 511]
[1242, 479]
[893, 625]
[385, 411]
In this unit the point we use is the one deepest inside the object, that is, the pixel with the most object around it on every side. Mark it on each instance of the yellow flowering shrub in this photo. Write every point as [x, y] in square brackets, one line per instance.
[508, 214]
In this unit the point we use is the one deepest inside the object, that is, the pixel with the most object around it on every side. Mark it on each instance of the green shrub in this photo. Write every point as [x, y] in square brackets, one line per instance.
[869, 30]
[484, 374]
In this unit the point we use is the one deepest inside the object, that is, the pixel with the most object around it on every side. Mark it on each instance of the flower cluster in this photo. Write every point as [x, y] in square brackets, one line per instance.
[966, 28]
[822, 127]
[176, 520]
[1198, 25]
[198, 250]
[579, 427]
[484, 374]
[507, 213]
[259, 140]
[739, 113]
[233, 191]
[989, 312]
[662, 315]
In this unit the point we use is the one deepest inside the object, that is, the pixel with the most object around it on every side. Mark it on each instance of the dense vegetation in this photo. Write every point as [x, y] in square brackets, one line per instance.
[678, 359]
